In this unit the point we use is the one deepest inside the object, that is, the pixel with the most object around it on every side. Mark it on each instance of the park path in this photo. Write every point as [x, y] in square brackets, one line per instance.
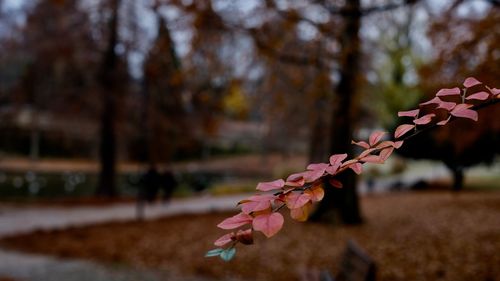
[16, 220]
[30, 267]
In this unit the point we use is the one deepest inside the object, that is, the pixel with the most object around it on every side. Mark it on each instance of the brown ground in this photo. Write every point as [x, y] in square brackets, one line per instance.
[411, 236]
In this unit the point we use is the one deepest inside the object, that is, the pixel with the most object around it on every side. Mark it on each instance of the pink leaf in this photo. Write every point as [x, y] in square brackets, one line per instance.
[478, 96]
[297, 200]
[317, 166]
[494, 91]
[337, 158]
[409, 113]
[426, 119]
[470, 82]
[435, 100]
[235, 221]
[271, 185]
[448, 92]
[357, 168]
[363, 144]
[446, 105]
[463, 111]
[332, 170]
[385, 153]
[295, 180]
[444, 122]
[401, 130]
[255, 206]
[261, 197]
[223, 240]
[366, 152]
[310, 176]
[398, 144]
[269, 224]
[372, 159]
[335, 183]
[375, 137]
[386, 144]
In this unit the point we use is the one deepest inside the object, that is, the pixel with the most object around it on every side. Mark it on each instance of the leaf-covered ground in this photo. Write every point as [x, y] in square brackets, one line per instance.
[411, 236]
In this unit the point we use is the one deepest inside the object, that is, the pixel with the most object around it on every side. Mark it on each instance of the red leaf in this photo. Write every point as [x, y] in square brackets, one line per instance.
[478, 96]
[463, 111]
[448, 92]
[297, 200]
[271, 185]
[426, 119]
[401, 130]
[223, 240]
[409, 113]
[335, 183]
[470, 82]
[235, 221]
[375, 137]
[363, 144]
[269, 224]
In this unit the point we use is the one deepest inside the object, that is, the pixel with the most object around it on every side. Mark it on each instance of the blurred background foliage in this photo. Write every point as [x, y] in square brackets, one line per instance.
[165, 81]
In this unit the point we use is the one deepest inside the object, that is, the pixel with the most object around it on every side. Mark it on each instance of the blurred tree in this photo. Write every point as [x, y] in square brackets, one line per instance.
[343, 203]
[165, 116]
[56, 51]
[211, 69]
[341, 59]
[112, 78]
[464, 143]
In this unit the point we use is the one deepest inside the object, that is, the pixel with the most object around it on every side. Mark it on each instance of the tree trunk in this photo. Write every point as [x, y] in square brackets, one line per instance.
[107, 77]
[341, 205]
[458, 178]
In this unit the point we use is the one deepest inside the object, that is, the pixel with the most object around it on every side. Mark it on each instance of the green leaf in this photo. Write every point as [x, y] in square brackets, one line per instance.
[214, 252]
[228, 254]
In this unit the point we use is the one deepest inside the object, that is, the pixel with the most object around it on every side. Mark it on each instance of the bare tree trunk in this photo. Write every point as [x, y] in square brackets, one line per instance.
[107, 149]
[341, 205]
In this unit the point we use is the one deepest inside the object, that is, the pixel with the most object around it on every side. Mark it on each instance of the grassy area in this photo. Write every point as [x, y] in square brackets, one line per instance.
[411, 236]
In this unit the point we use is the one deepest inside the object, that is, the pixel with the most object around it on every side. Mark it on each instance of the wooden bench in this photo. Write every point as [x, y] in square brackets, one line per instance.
[356, 265]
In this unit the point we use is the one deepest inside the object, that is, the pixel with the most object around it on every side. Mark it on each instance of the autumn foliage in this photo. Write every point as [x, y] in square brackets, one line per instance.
[299, 191]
